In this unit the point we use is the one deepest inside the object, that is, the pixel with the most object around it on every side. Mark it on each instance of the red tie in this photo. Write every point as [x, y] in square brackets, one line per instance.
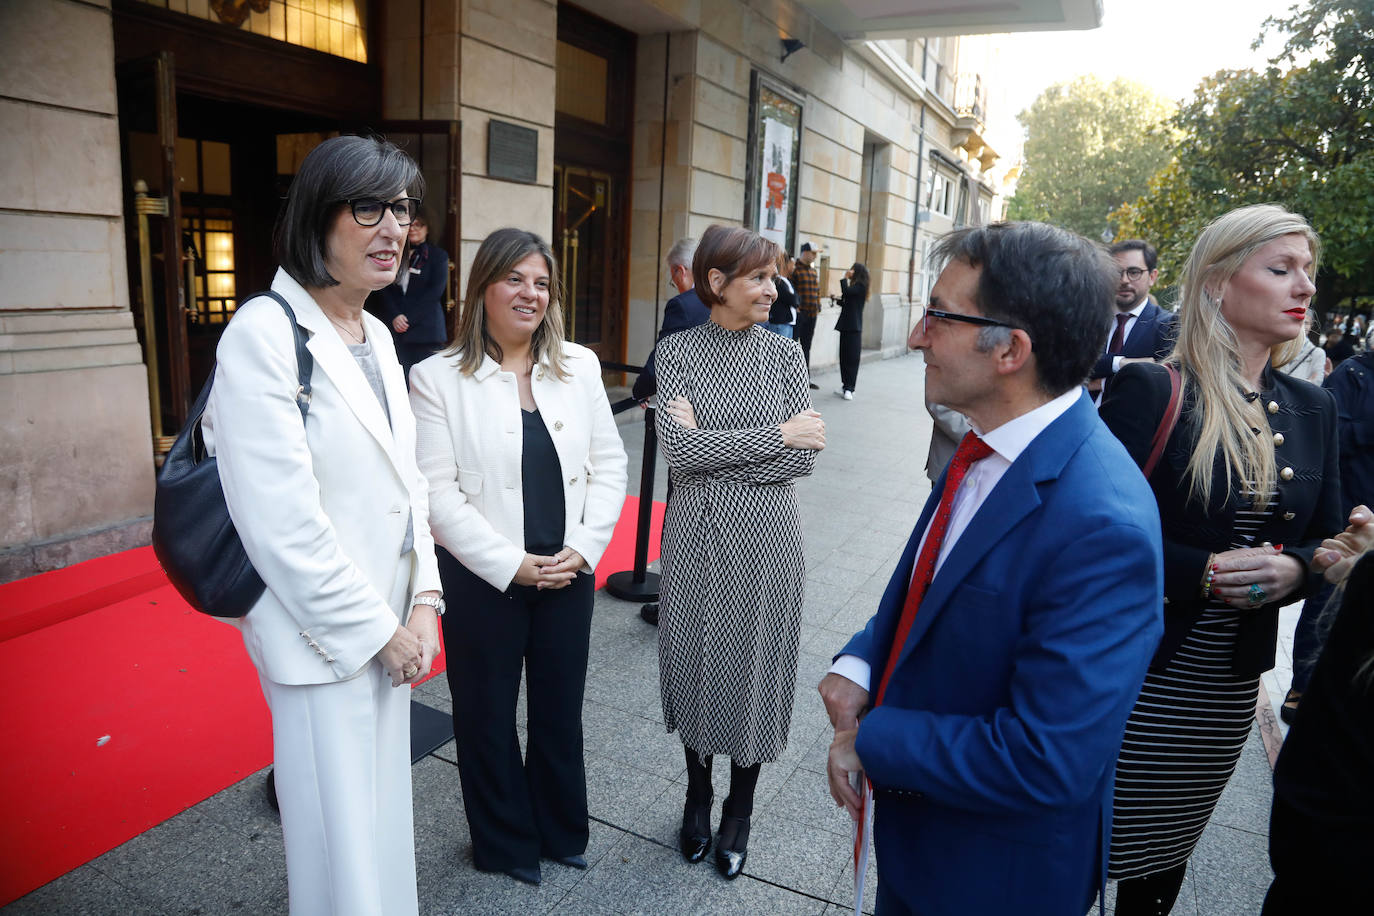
[1119, 335]
[971, 449]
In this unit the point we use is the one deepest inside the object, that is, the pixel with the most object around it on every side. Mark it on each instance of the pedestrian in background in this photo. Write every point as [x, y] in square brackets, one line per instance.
[1247, 488]
[782, 317]
[333, 515]
[736, 427]
[414, 304]
[527, 479]
[808, 287]
[853, 295]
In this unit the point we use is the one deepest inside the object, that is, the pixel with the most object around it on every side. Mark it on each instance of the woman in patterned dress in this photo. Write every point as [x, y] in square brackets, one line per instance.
[737, 428]
[1234, 551]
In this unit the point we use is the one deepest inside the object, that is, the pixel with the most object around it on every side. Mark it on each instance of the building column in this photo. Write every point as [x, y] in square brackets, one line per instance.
[76, 455]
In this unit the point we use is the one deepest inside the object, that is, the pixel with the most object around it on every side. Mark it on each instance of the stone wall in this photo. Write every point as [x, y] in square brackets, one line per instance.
[76, 460]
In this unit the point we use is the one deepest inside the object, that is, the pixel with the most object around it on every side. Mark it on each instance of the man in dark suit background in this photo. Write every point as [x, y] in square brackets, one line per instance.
[1012, 640]
[683, 311]
[414, 305]
[1140, 329]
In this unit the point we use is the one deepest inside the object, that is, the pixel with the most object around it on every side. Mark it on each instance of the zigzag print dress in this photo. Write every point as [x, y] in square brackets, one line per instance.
[733, 568]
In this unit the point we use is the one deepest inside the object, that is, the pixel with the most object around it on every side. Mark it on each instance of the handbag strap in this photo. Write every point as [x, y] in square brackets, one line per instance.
[305, 362]
[305, 368]
[1166, 422]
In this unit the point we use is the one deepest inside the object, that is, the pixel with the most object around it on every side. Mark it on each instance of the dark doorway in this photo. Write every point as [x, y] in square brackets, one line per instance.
[591, 151]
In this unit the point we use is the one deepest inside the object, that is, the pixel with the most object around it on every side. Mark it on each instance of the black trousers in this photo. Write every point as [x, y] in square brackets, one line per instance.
[518, 810]
[803, 332]
[851, 348]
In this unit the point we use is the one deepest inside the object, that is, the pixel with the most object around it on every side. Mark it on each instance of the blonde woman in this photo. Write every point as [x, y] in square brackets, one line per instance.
[1247, 488]
[526, 477]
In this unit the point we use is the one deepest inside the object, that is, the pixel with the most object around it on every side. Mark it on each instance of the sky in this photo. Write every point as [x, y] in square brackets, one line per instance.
[1168, 45]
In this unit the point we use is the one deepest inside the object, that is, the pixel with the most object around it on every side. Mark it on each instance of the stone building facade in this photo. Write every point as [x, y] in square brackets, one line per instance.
[612, 127]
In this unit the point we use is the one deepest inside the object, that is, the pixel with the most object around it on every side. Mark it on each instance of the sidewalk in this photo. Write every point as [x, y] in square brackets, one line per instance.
[225, 854]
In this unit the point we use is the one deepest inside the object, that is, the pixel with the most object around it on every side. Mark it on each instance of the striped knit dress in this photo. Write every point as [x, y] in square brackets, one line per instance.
[1183, 738]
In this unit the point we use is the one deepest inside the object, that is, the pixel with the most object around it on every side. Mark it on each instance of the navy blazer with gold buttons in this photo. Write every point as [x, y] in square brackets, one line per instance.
[1302, 422]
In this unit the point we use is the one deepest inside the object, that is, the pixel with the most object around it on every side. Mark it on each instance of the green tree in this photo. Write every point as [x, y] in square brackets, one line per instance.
[1090, 147]
[1300, 133]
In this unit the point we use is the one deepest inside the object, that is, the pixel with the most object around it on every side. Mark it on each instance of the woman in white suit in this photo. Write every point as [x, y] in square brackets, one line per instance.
[332, 513]
[527, 478]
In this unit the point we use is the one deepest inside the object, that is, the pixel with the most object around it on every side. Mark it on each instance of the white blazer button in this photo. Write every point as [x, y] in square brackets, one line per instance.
[1278, 438]
[1289, 516]
[1273, 407]
[1286, 473]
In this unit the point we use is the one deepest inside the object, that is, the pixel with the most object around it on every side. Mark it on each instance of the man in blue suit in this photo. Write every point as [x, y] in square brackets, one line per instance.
[683, 311]
[1140, 329]
[1014, 635]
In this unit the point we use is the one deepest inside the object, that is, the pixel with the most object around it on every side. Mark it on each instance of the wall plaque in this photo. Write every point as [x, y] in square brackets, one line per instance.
[512, 152]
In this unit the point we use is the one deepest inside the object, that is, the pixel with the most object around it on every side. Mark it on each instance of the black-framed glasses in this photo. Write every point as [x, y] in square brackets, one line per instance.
[368, 211]
[1133, 273]
[928, 313]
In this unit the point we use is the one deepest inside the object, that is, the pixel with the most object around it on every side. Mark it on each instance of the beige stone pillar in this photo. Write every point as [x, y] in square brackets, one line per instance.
[76, 459]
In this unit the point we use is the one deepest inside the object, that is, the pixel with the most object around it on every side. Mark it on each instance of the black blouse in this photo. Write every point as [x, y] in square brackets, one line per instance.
[542, 484]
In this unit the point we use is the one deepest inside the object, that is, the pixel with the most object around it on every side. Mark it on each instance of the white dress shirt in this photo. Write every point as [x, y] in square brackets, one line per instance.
[1007, 442]
[1125, 331]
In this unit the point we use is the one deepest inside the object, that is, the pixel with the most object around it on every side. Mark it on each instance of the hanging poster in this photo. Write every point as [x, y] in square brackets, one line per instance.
[774, 159]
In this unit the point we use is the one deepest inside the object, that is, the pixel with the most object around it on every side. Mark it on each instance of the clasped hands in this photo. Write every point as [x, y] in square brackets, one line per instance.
[557, 571]
[806, 430]
[1236, 573]
[409, 654]
[844, 701]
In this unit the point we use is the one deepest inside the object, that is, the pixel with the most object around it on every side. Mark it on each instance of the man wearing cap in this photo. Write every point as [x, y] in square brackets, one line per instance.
[808, 288]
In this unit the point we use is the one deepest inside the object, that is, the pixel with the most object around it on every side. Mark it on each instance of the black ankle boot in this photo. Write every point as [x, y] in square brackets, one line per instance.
[695, 837]
[732, 846]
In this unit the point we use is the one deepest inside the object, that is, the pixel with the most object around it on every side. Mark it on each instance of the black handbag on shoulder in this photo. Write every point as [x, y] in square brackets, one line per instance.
[193, 536]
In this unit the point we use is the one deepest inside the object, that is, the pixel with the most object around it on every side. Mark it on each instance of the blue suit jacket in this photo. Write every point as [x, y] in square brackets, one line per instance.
[1152, 335]
[683, 311]
[993, 753]
[422, 301]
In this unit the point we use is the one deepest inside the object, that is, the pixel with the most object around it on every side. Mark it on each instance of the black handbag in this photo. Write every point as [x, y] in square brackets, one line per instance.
[193, 536]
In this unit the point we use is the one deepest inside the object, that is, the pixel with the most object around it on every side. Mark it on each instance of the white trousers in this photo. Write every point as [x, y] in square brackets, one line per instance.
[341, 753]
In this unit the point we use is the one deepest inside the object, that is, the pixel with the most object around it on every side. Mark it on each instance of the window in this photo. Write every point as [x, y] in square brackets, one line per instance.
[337, 27]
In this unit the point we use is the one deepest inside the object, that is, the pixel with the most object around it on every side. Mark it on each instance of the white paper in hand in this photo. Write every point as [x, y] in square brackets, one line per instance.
[863, 836]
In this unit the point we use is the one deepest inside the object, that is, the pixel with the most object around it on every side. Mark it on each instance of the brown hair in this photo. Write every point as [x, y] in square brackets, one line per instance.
[733, 251]
[497, 257]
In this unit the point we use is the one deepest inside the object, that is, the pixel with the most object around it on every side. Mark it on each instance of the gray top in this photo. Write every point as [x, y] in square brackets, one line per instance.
[372, 371]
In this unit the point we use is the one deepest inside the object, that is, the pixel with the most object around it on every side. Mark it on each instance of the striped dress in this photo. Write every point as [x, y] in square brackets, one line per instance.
[1183, 738]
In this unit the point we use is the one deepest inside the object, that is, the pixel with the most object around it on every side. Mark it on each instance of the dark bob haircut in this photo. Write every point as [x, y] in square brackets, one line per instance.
[338, 170]
[1056, 286]
[1147, 251]
[733, 251]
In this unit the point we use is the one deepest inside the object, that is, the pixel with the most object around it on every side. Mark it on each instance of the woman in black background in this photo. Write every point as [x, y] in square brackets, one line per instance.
[853, 295]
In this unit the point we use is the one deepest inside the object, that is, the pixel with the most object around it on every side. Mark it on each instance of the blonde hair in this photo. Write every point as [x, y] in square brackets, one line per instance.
[496, 258]
[1208, 352]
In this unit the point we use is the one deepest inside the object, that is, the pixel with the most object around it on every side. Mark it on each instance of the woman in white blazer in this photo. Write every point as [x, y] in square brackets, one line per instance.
[526, 477]
[332, 513]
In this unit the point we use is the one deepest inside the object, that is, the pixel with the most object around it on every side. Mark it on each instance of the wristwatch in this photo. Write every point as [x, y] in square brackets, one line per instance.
[436, 603]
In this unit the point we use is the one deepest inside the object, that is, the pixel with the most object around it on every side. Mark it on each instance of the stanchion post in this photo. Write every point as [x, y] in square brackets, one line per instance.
[639, 584]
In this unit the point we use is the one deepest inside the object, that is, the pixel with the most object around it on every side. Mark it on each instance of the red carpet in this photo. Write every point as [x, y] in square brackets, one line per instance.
[124, 707]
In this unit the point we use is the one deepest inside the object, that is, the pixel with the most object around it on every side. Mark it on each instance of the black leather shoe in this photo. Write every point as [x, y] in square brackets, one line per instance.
[814, 387]
[526, 875]
[732, 846]
[694, 839]
[649, 614]
[577, 862]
